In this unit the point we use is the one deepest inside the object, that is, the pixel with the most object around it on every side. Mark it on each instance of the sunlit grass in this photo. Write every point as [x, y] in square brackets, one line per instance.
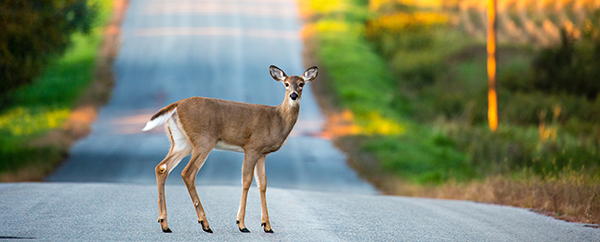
[375, 5]
[21, 121]
[399, 22]
[332, 26]
[345, 123]
[321, 7]
[376, 124]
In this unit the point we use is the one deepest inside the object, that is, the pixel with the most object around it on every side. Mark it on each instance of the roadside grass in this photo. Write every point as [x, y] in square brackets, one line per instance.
[429, 82]
[48, 101]
[568, 194]
[363, 83]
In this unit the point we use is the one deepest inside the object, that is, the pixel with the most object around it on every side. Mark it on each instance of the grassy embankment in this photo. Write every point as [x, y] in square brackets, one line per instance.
[46, 104]
[416, 85]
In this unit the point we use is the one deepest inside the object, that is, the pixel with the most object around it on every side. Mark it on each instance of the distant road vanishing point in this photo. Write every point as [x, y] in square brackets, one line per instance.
[222, 49]
[106, 190]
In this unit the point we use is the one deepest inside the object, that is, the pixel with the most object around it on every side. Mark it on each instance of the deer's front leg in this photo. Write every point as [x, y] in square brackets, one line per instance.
[247, 170]
[261, 180]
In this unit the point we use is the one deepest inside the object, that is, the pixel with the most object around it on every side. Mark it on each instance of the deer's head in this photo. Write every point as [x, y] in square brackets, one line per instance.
[293, 84]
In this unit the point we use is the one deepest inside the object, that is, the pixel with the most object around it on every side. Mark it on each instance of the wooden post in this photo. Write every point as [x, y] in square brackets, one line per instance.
[491, 50]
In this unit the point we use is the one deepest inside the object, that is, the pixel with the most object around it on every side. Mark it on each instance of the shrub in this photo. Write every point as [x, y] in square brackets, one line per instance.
[33, 33]
[571, 67]
[510, 149]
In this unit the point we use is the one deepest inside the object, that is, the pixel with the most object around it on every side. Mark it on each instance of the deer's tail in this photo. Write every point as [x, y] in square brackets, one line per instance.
[161, 117]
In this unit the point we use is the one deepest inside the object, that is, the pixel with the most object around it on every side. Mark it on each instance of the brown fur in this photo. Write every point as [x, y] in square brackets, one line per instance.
[164, 110]
[253, 127]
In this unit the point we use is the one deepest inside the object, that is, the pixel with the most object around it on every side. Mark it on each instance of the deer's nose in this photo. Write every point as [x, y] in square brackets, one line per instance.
[294, 96]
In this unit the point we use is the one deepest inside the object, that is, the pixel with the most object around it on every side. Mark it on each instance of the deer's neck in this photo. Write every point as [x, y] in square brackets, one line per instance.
[289, 112]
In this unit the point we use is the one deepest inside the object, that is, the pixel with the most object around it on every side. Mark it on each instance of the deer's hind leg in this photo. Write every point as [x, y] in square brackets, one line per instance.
[202, 148]
[180, 148]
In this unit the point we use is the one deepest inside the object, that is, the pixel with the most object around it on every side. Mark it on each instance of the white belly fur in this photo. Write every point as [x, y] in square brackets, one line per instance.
[225, 146]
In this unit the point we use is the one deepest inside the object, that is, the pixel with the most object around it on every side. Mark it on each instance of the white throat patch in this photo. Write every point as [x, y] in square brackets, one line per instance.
[294, 103]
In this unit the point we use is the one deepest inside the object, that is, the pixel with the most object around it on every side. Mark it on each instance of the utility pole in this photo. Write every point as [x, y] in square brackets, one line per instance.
[491, 67]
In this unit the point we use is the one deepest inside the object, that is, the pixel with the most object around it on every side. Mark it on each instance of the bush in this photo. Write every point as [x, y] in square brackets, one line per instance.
[571, 67]
[34, 32]
[511, 149]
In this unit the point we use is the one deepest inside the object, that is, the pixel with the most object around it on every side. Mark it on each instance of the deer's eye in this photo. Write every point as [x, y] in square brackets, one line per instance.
[301, 84]
[287, 84]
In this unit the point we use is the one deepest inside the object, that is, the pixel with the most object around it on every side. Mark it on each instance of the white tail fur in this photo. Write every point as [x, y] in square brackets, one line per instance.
[158, 120]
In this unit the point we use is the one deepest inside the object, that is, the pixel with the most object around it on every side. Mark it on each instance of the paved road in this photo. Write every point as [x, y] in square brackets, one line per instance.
[217, 48]
[177, 49]
[110, 212]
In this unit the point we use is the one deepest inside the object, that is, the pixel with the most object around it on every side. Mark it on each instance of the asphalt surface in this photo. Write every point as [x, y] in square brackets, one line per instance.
[117, 212]
[222, 49]
[177, 49]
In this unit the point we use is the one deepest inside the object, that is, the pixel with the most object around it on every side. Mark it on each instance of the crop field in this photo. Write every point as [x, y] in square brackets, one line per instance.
[421, 66]
[533, 22]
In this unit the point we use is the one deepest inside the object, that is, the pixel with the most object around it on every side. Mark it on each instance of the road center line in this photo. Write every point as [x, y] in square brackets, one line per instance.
[217, 31]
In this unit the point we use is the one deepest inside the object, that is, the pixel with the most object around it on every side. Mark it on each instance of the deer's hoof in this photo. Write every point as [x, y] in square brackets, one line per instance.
[167, 230]
[270, 231]
[243, 230]
[208, 230]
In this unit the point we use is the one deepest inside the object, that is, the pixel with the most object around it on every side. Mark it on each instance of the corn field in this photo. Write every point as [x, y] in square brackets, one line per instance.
[534, 22]
[518, 21]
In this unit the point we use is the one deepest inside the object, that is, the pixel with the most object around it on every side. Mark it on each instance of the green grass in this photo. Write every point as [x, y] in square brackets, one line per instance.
[433, 84]
[47, 102]
[364, 84]
[360, 77]
[420, 157]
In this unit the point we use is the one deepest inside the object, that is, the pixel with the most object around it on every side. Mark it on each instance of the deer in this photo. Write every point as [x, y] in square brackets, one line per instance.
[197, 125]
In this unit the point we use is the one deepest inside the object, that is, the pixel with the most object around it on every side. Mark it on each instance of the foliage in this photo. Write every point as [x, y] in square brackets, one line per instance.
[360, 76]
[572, 67]
[444, 81]
[431, 81]
[364, 84]
[36, 32]
[513, 148]
[437, 83]
[46, 103]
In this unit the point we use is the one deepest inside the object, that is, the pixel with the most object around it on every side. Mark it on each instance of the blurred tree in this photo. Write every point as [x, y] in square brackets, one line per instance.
[574, 66]
[33, 32]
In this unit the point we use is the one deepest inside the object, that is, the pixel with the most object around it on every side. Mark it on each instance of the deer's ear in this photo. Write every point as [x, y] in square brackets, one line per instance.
[310, 74]
[277, 73]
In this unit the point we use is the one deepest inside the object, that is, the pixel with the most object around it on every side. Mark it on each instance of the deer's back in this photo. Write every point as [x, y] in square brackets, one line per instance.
[232, 122]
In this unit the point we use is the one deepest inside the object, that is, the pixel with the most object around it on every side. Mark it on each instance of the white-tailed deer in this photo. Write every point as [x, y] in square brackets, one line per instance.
[197, 125]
